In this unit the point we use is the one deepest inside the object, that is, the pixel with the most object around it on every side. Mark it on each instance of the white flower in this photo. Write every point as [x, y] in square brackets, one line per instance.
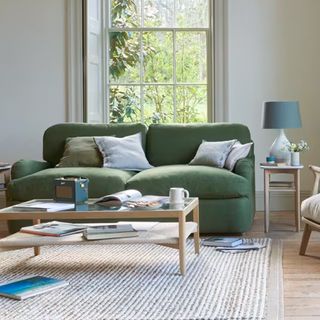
[298, 147]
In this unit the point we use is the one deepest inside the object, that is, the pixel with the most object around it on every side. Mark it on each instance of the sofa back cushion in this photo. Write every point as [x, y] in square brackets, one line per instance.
[178, 143]
[54, 138]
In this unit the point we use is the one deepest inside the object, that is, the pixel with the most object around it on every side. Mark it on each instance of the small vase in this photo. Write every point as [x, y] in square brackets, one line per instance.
[295, 158]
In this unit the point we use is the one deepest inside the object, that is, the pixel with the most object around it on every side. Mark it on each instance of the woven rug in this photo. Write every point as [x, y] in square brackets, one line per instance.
[141, 282]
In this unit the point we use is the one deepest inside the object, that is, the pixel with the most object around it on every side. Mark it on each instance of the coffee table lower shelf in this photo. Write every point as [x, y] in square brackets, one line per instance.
[166, 234]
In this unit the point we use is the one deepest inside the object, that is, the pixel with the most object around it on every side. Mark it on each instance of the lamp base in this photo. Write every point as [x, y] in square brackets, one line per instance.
[279, 148]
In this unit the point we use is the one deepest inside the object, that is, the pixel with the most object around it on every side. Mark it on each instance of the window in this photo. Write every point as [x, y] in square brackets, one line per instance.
[157, 61]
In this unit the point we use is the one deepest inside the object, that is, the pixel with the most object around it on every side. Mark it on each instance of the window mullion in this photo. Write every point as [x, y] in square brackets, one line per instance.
[141, 65]
[174, 77]
[141, 78]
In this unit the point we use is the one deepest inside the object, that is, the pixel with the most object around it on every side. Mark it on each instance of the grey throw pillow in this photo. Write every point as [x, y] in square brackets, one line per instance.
[212, 153]
[123, 153]
[238, 151]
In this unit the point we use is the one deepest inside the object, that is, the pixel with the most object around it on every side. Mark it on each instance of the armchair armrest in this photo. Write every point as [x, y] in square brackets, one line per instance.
[24, 168]
[316, 172]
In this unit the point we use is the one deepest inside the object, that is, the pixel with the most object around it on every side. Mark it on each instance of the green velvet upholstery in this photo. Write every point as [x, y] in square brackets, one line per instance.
[102, 181]
[23, 168]
[226, 216]
[178, 143]
[55, 137]
[201, 181]
[227, 202]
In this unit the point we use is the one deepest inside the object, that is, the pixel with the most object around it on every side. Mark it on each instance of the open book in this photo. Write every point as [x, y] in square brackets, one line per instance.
[132, 199]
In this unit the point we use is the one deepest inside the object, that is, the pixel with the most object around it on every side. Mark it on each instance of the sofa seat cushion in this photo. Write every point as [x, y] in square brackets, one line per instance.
[102, 181]
[201, 181]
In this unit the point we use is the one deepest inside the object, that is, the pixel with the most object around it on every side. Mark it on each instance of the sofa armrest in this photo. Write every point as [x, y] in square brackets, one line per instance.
[24, 168]
[245, 168]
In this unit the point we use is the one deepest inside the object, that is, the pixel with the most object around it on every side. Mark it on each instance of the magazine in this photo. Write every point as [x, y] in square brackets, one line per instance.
[29, 287]
[222, 241]
[132, 199]
[110, 228]
[243, 247]
[49, 206]
[54, 229]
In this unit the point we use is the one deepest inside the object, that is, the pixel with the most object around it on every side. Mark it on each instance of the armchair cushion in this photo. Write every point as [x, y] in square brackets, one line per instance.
[310, 208]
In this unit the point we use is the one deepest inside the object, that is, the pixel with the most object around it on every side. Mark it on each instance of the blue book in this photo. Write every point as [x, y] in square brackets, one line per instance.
[29, 287]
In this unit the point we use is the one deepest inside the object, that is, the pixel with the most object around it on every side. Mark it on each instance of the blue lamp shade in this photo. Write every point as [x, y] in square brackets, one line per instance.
[281, 115]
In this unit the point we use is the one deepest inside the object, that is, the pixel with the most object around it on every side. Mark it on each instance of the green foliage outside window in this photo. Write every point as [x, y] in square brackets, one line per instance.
[157, 51]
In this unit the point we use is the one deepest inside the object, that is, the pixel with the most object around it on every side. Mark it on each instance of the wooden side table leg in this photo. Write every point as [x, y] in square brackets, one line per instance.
[36, 249]
[196, 235]
[266, 201]
[182, 243]
[297, 200]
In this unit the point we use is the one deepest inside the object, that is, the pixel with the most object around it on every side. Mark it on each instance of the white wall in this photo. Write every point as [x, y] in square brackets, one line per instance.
[274, 53]
[32, 74]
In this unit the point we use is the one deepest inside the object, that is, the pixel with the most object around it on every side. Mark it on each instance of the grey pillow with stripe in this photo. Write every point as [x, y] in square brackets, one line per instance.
[238, 151]
[213, 153]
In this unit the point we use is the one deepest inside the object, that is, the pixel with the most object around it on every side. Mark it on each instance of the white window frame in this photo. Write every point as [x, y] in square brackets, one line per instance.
[210, 49]
[76, 62]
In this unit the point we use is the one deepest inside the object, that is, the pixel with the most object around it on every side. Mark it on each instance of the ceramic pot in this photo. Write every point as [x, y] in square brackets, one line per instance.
[295, 158]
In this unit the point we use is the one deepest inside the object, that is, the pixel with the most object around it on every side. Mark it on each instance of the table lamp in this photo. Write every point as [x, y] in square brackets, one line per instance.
[281, 115]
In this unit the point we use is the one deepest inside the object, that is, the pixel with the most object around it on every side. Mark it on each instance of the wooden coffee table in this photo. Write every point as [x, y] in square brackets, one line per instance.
[172, 234]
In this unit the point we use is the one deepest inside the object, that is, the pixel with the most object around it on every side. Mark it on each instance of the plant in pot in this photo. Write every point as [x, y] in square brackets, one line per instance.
[295, 149]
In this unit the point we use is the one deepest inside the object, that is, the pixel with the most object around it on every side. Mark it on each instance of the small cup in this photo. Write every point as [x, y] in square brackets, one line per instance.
[178, 195]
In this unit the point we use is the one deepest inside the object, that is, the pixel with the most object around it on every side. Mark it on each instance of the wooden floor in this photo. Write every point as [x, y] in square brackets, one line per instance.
[301, 274]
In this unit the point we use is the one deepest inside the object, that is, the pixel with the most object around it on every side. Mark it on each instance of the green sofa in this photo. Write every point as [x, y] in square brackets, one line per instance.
[226, 198]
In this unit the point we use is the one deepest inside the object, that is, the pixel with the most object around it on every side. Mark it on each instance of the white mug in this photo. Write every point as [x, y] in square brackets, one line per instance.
[177, 195]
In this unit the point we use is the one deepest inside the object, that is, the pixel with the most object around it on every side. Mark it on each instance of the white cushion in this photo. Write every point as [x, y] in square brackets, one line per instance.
[310, 208]
[123, 153]
[238, 151]
[212, 153]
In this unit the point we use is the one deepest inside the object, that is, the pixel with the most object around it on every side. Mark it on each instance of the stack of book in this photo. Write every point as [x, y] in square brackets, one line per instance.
[109, 232]
[232, 244]
[53, 229]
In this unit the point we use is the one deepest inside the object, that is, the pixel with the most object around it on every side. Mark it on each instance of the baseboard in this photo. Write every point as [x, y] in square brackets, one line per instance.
[279, 201]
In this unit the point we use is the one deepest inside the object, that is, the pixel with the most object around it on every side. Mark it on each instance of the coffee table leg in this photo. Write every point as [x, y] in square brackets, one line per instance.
[36, 249]
[196, 235]
[182, 243]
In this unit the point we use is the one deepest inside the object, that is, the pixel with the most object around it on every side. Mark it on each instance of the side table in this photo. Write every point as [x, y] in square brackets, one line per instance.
[281, 186]
[5, 176]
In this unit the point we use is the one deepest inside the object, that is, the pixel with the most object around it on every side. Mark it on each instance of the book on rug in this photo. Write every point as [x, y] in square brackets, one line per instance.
[222, 241]
[111, 231]
[242, 247]
[131, 198]
[49, 206]
[54, 229]
[28, 287]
